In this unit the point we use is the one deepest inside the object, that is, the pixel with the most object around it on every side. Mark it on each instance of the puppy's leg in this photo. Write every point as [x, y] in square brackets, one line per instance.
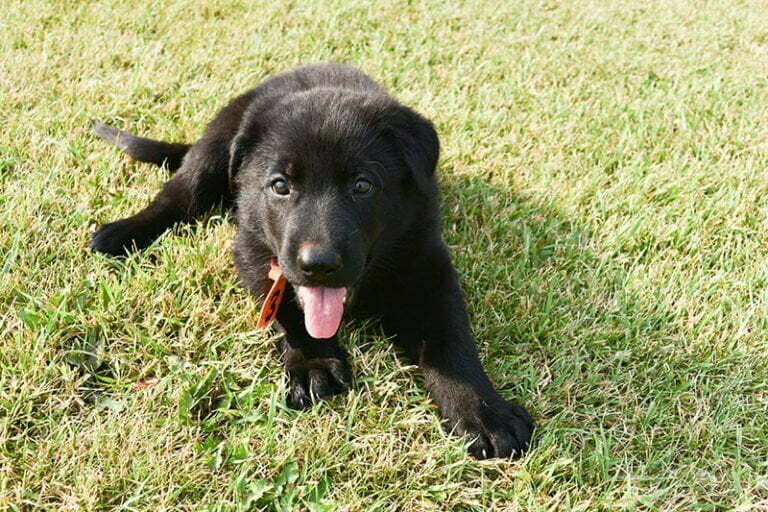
[200, 183]
[197, 186]
[317, 369]
[434, 331]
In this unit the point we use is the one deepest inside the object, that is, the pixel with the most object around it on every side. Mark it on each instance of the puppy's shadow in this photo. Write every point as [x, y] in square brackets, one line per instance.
[556, 326]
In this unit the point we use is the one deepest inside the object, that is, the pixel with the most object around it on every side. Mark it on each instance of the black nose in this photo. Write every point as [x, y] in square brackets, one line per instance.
[317, 262]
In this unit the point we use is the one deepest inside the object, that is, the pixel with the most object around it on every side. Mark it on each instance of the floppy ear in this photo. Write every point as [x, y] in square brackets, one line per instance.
[248, 135]
[418, 144]
[236, 152]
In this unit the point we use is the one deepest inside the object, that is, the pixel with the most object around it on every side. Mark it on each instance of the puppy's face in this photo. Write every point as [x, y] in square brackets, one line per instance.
[322, 211]
[327, 180]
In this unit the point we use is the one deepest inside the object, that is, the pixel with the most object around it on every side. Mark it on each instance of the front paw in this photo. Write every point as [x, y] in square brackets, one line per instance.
[497, 427]
[119, 238]
[315, 379]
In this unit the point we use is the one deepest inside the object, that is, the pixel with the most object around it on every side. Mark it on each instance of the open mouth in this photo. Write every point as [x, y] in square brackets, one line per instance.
[323, 309]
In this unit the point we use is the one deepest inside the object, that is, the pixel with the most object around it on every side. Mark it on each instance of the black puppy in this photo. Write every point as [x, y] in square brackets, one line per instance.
[333, 180]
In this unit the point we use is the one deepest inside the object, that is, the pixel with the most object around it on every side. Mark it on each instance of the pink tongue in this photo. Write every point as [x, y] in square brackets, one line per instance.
[323, 308]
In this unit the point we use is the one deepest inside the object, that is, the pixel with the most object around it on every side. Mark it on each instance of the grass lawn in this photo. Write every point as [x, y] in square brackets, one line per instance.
[605, 199]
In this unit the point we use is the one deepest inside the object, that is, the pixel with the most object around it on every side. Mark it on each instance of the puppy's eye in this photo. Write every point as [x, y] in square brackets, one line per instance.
[363, 186]
[280, 187]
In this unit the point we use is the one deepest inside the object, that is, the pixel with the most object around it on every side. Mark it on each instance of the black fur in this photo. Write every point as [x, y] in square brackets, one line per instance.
[328, 132]
[167, 154]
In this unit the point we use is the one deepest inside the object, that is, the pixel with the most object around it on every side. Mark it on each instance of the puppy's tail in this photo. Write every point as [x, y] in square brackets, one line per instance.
[168, 154]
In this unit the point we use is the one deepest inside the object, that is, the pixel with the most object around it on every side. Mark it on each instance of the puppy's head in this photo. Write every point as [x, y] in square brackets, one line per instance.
[324, 177]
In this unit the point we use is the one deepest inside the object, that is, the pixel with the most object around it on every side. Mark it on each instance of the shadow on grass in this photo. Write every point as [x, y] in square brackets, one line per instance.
[605, 370]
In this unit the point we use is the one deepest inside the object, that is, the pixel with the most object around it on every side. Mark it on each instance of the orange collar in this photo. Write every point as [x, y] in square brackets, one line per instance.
[274, 296]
